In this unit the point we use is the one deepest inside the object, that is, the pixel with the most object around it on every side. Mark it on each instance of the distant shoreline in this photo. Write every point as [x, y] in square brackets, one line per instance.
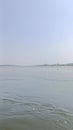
[69, 64]
[43, 65]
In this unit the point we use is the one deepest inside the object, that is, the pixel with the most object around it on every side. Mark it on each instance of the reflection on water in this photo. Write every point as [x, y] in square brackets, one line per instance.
[37, 98]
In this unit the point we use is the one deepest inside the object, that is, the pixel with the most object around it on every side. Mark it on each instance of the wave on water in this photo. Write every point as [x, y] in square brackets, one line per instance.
[21, 115]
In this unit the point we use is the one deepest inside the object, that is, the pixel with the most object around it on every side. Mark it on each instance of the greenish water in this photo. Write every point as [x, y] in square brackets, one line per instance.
[36, 98]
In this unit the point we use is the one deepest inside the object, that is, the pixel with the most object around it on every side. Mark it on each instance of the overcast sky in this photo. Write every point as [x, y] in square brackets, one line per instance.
[36, 31]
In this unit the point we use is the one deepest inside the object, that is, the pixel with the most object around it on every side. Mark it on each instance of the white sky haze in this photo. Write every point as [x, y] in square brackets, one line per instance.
[36, 31]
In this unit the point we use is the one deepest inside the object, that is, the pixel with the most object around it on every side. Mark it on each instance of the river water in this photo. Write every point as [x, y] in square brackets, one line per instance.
[36, 98]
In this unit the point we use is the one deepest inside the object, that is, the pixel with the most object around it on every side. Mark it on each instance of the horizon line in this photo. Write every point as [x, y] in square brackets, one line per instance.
[55, 64]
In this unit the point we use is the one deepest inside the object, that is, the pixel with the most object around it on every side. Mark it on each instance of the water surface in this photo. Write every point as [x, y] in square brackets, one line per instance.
[36, 98]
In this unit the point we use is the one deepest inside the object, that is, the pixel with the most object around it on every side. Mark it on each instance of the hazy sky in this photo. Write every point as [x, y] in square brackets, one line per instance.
[36, 31]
